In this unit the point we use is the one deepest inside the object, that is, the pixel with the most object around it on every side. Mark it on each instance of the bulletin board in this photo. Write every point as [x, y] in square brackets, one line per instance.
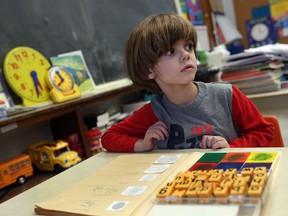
[243, 11]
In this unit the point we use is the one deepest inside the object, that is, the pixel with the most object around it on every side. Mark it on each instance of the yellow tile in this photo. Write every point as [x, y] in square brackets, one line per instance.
[238, 190]
[165, 191]
[247, 171]
[255, 191]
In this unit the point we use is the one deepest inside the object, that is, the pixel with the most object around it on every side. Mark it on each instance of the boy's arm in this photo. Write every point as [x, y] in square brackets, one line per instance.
[254, 130]
[122, 137]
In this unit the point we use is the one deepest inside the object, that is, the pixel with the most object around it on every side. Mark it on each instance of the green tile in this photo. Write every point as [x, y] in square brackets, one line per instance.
[212, 157]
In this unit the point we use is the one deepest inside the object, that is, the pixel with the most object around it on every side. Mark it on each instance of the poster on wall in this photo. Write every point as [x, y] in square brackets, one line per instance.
[191, 10]
[260, 31]
[279, 13]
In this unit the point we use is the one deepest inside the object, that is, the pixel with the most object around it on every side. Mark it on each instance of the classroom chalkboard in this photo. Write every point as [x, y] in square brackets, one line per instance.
[97, 27]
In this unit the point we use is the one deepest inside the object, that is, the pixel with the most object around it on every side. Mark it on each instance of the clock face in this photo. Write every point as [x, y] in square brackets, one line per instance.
[25, 70]
[61, 79]
[259, 32]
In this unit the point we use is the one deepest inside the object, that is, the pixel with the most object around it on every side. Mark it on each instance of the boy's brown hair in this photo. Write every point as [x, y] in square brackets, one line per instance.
[151, 39]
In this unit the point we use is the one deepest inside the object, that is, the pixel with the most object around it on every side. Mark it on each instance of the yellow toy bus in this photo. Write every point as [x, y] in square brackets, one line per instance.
[16, 169]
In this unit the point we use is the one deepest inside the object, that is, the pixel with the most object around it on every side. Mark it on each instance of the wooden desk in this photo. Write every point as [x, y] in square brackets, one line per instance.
[23, 204]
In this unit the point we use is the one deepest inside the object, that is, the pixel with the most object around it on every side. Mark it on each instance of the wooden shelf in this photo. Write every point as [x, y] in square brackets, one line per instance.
[50, 111]
[68, 115]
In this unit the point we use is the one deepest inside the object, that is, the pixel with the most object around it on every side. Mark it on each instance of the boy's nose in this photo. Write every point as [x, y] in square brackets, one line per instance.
[186, 56]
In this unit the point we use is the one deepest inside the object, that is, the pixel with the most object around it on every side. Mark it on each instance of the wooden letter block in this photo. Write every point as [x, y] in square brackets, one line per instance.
[216, 177]
[241, 181]
[222, 194]
[227, 183]
[258, 181]
[248, 171]
[165, 191]
[238, 190]
[183, 185]
[260, 170]
[191, 194]
[230, 171]
[205, 194]
[255, 191]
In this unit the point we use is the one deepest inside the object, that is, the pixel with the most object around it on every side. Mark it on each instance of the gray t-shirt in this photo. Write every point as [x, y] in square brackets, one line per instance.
[209, 114]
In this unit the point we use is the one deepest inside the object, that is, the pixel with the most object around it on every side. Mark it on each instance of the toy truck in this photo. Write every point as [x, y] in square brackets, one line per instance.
[52, 156]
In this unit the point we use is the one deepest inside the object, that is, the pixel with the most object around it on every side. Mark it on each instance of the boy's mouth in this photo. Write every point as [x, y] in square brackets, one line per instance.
[187, 67]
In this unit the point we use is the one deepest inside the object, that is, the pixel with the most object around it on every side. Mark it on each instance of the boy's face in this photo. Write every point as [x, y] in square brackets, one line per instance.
[177, 67]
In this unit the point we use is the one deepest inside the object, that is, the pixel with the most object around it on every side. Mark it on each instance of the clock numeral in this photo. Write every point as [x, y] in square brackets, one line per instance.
[25, 54]
[17, 57]
[23, 86]
[42, 62]
[16, 76]
[34, 56]
[32, 92]
[15, 66]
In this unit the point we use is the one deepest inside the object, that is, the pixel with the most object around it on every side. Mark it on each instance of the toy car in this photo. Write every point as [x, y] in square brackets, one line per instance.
[52, 156]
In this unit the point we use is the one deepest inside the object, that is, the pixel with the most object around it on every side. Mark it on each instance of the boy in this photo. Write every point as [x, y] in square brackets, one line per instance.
[161, 57]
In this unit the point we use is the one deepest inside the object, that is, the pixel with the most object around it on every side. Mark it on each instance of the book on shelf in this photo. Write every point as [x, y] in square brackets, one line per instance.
[99, 121]
[270, 60]
[75, 63]
[6, 101]
[274, 85]
[255, 80]
[252, 75]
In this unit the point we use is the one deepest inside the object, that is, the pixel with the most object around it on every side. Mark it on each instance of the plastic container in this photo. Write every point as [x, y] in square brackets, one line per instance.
[94, 140]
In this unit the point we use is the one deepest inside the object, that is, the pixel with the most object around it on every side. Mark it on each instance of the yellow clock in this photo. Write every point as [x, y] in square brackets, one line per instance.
[25, 70]
[62, 85]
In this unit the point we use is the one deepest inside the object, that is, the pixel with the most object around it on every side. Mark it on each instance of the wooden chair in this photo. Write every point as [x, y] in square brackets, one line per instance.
[277, 140]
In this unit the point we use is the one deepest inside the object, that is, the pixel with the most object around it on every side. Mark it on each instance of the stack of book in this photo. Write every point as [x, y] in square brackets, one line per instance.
[254, 72]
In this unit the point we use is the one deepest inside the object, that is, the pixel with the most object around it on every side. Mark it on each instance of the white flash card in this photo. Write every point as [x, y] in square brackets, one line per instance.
[117, 205]
[156, 169]
[148, 178]
[167, 159]
[134, 190]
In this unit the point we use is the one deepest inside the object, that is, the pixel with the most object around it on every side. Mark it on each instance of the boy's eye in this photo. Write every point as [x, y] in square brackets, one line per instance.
[170, 52]
[189, 46]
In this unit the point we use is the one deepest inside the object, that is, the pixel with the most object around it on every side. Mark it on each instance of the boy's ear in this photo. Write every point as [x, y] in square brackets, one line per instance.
[151, 74]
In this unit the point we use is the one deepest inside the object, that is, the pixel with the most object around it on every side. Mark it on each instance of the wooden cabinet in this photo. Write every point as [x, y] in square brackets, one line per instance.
[67, 118]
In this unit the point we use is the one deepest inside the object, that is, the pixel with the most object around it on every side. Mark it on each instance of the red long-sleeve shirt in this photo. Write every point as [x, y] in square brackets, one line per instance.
[253, 130]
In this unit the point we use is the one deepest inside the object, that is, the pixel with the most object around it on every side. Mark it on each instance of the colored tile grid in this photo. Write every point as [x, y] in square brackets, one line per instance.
[237, 160]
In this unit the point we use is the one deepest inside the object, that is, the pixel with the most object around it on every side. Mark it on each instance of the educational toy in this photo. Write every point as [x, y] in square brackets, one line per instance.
[25, 70]
[62, 85]
[222, 178]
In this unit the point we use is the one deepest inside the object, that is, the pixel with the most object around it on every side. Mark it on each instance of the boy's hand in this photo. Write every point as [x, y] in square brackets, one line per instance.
[157, 131]
[214, 142]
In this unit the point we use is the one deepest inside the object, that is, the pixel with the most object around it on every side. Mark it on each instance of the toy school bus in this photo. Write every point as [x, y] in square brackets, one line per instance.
[14, 170]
